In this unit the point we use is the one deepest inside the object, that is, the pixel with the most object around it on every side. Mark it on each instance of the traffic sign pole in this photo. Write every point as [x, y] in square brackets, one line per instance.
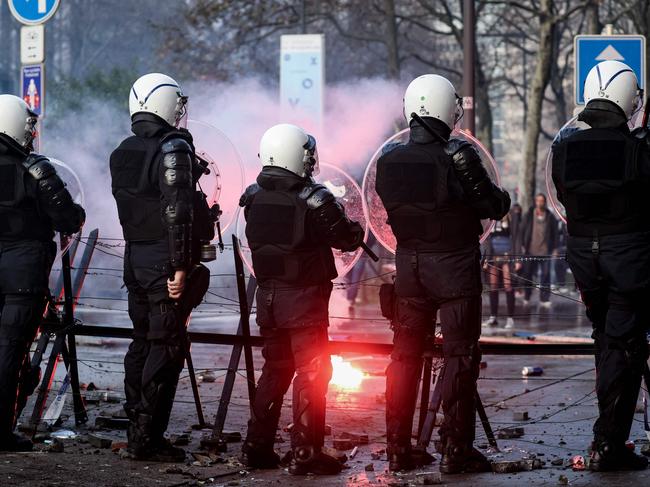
[33, 14]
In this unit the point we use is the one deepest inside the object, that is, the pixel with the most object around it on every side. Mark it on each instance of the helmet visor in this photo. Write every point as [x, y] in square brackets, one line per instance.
[30, 129]
[460, 111]
[310, 160]
[181, 110]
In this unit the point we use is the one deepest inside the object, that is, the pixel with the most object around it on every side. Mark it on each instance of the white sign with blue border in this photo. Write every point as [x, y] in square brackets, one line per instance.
[589, 50]
[33, 87]
[302, 77]
[33, 12]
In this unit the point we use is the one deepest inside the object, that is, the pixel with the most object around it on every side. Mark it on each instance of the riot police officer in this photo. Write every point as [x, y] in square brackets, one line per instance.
[436, 191]
[34, 203]
[602, 176]
[292, 225]
[154, 175]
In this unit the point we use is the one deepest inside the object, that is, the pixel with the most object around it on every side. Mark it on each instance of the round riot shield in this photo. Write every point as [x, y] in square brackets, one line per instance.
[73, 185]
[374, 208]
[224, 183]
[348, 193]
[571, 127]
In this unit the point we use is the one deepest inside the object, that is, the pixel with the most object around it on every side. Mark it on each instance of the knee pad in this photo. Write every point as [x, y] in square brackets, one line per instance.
[318, 369]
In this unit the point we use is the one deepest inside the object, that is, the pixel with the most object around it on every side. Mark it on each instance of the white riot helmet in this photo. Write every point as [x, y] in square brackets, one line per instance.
[17, 120]
[431, 95]
[291, 148]
[158, 94]
[616, 82]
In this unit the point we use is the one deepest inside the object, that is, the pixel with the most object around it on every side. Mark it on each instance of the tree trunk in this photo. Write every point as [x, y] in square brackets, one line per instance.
[593, 25]
[483, 109]
[391, 40]
[541, 76]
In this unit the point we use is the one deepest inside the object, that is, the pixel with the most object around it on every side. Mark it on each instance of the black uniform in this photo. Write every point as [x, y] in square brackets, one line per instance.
[33, 205]
[153, 180]
[435, 196]
[292, 223]
[602, 176]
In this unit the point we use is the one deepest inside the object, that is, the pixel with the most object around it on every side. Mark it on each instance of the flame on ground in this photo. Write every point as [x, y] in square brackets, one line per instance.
[344, 375]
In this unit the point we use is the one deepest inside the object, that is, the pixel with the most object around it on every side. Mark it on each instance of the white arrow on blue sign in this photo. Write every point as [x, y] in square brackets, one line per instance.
[589, 50]
[33, 12]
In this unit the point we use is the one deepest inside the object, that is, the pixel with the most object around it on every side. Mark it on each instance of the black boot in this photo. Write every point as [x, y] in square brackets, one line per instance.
[163, 451]
[459, 457]
[608, 457]
[16, 443]
[421, 457]
[258, 456]
[400, 458]
[139, 435]
[308, 460]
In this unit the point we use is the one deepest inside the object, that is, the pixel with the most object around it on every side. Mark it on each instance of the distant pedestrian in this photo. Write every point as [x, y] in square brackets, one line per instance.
[539, 240]
[498, 266]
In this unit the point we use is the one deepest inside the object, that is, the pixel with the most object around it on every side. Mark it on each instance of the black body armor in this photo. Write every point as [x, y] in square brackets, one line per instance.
[597, 175]
[34, 202]
[153, 181]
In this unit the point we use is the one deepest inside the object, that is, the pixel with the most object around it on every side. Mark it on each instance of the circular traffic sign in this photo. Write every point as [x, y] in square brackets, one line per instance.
[33, 12]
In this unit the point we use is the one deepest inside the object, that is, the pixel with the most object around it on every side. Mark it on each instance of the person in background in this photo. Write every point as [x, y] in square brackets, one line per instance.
[498, 264]
[560, 264]
[538, 240]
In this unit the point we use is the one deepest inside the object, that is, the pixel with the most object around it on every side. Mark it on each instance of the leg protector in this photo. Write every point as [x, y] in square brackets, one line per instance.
[415, 317]
[273, 384]
[19, 321]
[461, 330]
[313, 373]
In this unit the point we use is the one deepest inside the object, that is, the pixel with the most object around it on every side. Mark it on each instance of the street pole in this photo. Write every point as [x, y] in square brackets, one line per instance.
[469, 47]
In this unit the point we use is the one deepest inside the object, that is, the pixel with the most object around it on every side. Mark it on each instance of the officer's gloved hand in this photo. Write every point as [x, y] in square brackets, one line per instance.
[355, 240]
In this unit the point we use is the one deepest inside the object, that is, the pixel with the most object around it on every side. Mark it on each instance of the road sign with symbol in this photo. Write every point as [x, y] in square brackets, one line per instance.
[589, 50]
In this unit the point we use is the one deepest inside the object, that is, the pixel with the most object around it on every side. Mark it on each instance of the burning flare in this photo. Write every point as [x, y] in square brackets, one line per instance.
[344, 375]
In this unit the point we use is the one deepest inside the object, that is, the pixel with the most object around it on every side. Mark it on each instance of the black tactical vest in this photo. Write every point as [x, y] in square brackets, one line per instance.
[603, 191]
[20, 218]
[423, 199]
[279, 238]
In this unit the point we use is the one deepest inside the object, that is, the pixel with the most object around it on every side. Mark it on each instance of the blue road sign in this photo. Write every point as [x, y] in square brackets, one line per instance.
[33, 87]
[33, 12]
[589, 50]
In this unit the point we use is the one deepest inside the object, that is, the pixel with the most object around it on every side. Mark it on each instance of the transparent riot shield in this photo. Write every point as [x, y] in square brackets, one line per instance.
[348, 193]
[74, 187]
[569, 128]
[373, 207]
[223, 183]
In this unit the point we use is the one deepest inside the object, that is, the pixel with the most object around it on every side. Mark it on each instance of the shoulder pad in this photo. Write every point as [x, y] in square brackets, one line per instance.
[391, 146]
[316, 195]
[39, 167]
[247, 198]
[176, 145]
[456, 145]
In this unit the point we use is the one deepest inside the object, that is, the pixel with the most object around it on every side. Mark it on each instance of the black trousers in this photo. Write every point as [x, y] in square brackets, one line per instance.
[24, 271]
[615, 285]
[294, 323]
[156, 355]
[428, 282]
[530, 274]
